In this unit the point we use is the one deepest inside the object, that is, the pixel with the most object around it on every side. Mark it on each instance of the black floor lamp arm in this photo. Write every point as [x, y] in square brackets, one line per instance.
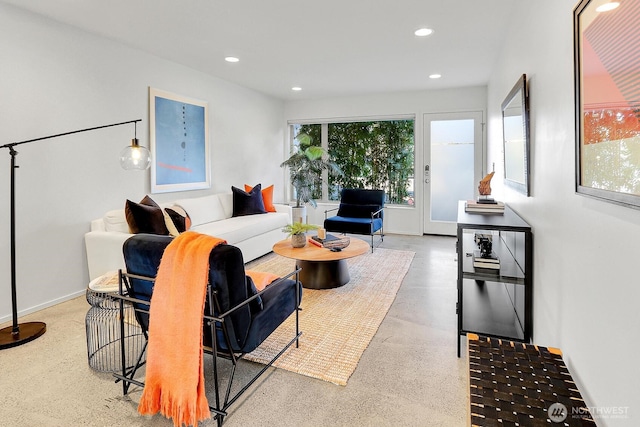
[13, 144]
[13, 336]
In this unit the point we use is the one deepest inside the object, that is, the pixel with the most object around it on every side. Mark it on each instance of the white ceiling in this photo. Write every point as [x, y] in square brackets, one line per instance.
[328, 47]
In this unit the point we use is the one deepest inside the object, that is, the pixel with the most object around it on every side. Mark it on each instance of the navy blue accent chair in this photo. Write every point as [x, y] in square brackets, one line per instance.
[237, 318]
[360, 212]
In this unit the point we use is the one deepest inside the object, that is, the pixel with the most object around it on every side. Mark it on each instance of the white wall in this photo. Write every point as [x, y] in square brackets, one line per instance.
[55, 79]
[401, 220]
[586, 289]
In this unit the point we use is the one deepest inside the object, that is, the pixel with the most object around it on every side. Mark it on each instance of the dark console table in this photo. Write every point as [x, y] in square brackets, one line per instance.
[495, 303]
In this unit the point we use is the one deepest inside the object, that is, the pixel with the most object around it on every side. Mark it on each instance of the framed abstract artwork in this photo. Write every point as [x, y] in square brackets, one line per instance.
[179, 141]
[607, 91]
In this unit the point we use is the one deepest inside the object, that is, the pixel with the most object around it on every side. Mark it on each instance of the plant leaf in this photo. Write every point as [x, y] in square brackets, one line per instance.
[314, 152]
[304, 139]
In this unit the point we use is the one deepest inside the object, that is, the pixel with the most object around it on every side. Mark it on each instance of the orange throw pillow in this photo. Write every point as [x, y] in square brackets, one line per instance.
[267, 197]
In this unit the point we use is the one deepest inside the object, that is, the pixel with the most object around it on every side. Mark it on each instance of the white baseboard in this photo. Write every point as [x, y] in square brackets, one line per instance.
[8, 317]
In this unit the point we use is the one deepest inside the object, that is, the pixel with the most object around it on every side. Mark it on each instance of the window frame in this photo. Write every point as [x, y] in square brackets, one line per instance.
[324, 143]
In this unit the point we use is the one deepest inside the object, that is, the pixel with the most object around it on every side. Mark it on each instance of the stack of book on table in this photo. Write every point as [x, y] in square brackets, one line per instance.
[331, 241]
[484, 206]
[490, 262]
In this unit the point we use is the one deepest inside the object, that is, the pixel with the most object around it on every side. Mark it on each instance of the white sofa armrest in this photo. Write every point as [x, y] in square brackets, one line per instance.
[104, 251]
[284, 209]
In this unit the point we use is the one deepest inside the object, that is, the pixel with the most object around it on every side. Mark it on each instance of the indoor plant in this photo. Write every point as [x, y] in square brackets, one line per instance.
[306, 164]
[297, 232]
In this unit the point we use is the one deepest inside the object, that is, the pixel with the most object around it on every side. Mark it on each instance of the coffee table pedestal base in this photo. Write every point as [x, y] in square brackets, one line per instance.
[323, 274]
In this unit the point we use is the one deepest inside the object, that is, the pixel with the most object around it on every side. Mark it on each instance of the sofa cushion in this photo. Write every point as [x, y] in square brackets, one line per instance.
[116, 220]
[202, 210]
[145, 217]
[240, 228]
[353, 225]
[226, 200]
[247, 203]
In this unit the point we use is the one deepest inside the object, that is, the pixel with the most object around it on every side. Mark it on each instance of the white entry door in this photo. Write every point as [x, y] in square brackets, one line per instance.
[453, 158]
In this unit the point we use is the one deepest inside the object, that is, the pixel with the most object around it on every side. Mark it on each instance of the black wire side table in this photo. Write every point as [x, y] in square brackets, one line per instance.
[103, 327]
[517, 384]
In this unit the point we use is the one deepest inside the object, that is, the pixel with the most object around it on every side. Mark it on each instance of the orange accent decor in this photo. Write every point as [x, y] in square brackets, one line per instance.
[267, 197]
[261, 279]
[314, 242]
[485, 185]
[174, 167]
[174, 384]
[554, 350]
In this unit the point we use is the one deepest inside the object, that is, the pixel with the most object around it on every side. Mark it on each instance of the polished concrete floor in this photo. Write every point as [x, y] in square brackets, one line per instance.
[408, 376]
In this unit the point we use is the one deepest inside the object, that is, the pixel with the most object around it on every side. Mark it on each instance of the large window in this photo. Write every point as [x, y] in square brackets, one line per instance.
[371, 154]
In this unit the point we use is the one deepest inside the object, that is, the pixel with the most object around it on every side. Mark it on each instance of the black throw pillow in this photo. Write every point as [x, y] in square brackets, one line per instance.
[250, 203]
[182, 222]
[145, 217]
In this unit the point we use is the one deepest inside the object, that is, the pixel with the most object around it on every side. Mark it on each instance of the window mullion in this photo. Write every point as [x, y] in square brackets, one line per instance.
[324, 142]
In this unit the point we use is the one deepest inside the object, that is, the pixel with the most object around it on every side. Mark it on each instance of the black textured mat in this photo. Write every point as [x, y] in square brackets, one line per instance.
[517, 384]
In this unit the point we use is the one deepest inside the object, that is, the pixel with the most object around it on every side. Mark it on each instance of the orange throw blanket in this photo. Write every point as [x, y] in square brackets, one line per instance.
[261, 279]
[174, 384]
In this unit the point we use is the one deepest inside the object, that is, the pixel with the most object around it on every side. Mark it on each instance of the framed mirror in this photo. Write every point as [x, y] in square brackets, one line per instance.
[515, 136]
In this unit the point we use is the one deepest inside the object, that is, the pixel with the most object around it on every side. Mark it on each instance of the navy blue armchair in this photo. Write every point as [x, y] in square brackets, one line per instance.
[360, 212]
[237, 318]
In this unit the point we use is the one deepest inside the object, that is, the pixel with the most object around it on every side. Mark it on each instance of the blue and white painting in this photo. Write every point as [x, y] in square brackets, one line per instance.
[179, 143]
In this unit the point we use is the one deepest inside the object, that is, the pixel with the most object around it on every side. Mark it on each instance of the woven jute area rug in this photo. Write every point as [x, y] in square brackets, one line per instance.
[337, 324]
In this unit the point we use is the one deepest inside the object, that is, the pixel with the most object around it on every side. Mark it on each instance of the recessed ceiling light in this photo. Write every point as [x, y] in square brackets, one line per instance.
[296, 88]
[435, 76]
[231, 59]
[607, 6]
[423, 32]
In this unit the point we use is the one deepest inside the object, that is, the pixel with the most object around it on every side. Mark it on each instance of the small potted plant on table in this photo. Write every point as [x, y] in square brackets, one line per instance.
[297, 232]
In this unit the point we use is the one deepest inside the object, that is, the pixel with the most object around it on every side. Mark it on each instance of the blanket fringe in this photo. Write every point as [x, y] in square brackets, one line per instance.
[172, 350]
[180, 410]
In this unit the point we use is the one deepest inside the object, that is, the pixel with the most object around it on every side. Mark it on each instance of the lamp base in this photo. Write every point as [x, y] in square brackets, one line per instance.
[28, 331]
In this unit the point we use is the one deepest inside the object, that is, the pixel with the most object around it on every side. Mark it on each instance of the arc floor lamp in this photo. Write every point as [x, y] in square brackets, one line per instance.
[134, 156]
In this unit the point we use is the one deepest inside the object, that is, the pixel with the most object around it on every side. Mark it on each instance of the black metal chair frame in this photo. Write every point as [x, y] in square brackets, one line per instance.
[220, 409]
[374, 215]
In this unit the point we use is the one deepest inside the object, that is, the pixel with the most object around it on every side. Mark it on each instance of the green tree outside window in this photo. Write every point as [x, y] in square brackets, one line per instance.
[372, 155]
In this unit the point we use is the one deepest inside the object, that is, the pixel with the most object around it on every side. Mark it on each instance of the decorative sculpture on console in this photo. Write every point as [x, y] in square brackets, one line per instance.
[484, 189]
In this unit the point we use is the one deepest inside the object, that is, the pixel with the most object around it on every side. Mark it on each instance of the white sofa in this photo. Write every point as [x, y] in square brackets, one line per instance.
[212, 215]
